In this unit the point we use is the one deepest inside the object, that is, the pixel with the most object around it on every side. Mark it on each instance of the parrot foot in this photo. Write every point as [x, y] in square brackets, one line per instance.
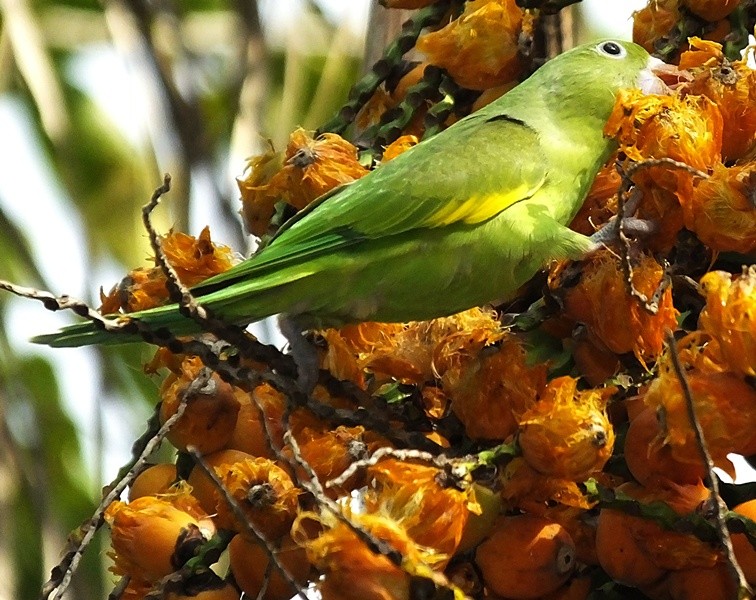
[631, 226]
[305, 354]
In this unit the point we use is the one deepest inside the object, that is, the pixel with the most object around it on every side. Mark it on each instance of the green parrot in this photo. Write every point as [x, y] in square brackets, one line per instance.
[460, 220]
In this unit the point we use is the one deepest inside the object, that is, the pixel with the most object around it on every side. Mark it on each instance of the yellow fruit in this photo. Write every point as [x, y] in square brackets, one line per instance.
[148, 534]
[157, 479]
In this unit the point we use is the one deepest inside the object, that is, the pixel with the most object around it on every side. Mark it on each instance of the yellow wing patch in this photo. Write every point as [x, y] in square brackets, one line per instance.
[479, 208]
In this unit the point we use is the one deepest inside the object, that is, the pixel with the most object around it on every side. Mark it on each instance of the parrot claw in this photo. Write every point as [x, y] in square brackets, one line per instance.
[304, 353]
[631, 226]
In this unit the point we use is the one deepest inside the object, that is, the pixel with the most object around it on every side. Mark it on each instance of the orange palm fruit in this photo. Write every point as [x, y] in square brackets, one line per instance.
[154, 480]
[526, 557]
[713, 583]
[399, 146]
[265, 493]
[744, 551]
[687, 129]
[593, 360]
[260, 415]
[210, 414]
[489, 391]
[224, 591]
[619, 553]
[149, 534]
[725, 405]
[329, 452]
[636, 551]
[567, 433]
[309, 168]
[731, 85]
[601, 202]
[434, 515]
[650, 460]
[479, 49]
[601, 300]
[249, 564]
[711, 10]
[193, 259]
[352, 570]
[720, 211]
[654, 21]
[203, 488]
[730, 317]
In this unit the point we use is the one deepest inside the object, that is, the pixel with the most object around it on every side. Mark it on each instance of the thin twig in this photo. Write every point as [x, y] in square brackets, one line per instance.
[62, 573]
[65, 302]
[191, 308]
[712, 482]
[651, 305]
[314, 486]
[376, 457]
[177, 290]
[250, 529]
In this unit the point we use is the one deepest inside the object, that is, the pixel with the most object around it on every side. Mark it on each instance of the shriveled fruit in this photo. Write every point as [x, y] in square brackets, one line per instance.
[567, 433]
[526, 557]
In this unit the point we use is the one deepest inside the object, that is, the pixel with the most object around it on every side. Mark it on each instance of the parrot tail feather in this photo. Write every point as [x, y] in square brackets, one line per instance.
[89, 333]
[83, 334]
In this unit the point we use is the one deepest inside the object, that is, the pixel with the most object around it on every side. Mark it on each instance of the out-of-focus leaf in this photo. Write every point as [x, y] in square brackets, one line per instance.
[16, 258]
[107, 180]
[26, 532]
[54, 493]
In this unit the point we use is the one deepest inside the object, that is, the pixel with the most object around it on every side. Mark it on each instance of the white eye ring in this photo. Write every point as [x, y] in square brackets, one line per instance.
[611, 49]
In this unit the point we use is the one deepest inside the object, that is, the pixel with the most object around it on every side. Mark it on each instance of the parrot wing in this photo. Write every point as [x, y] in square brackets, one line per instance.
[445, 181]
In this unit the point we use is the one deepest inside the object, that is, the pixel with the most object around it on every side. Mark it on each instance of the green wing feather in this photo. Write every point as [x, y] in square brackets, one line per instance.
[445, 180]
[440, 182]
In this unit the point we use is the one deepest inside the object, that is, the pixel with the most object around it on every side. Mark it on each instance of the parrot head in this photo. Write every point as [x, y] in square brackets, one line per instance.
[587, 78]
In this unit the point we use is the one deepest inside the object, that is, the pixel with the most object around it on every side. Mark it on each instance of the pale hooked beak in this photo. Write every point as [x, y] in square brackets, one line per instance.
[660, 78]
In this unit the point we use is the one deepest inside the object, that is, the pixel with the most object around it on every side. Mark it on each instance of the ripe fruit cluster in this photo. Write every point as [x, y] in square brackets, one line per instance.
[563, 459]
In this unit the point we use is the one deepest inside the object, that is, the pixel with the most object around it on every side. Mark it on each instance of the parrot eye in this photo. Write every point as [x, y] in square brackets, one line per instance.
[611, 49]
